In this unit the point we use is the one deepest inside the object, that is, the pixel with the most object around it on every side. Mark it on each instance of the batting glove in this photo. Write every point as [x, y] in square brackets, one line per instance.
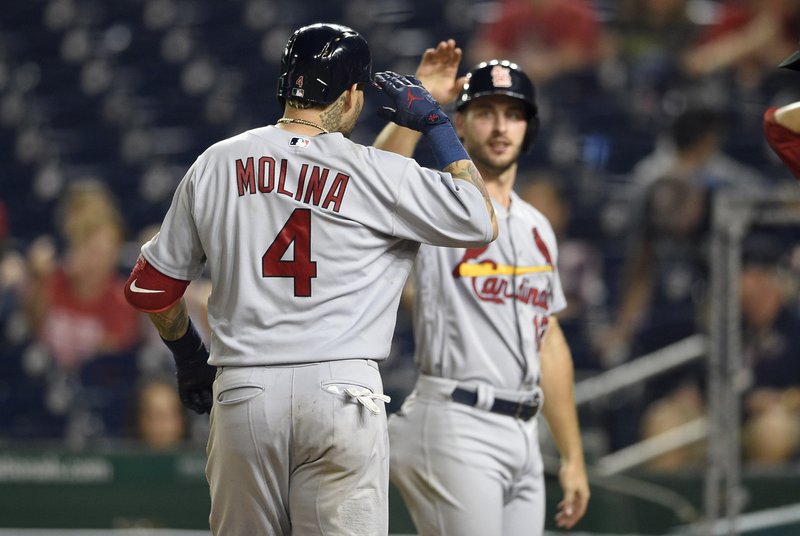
[414, 107]
[195, 375]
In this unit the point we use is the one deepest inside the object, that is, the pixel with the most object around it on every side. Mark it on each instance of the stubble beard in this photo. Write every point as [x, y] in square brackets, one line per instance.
[480, 156]
[348, 124]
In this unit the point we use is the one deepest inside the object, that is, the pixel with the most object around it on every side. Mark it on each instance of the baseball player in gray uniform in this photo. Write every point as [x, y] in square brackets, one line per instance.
[308, 239]
[489, 350]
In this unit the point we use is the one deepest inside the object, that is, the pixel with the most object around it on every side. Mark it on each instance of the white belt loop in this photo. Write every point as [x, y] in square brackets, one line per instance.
[485, 394]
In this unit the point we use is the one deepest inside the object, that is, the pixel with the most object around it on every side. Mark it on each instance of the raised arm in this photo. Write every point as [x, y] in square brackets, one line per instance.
[415, 109]
[437, 71]
[756, 36]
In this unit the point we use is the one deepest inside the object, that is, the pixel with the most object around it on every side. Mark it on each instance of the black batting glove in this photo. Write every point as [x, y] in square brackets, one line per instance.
[195, 375]
[413, 107]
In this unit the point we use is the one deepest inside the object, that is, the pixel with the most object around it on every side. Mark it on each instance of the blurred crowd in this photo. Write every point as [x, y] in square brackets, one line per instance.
[649, 108]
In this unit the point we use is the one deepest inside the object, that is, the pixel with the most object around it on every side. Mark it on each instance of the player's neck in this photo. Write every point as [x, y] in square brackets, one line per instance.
[500, 185]
[309, 124]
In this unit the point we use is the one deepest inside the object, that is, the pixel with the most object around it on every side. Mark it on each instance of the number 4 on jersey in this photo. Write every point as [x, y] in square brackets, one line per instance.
[297, 231]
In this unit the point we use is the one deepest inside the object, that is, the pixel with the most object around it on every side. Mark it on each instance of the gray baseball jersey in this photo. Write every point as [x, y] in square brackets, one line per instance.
[308, 242]
[481, 313]
[480, 316]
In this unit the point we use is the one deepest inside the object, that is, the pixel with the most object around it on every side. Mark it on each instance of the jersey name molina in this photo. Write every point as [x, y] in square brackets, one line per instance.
[307, 243]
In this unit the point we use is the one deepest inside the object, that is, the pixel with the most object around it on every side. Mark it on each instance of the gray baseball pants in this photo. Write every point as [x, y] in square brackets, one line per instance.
[291, 452]
[463, 471]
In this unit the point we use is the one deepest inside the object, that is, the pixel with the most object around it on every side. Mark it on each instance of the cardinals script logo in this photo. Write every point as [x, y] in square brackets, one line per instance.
[494, 282]
[497, 283]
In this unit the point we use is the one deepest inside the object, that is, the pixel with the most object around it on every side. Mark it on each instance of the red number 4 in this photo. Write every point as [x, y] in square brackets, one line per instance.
[302, 269]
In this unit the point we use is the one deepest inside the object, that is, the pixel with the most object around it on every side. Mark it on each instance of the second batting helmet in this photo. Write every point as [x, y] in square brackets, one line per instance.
[502, 77]
[321, 61]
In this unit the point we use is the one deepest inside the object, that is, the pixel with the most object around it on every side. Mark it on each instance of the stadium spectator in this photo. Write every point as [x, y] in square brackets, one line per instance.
[580, 267]
[648, 38]
[13, 334]
[679, 407]
[771, 335]
[771, 320]
[73, 303]
[546, 38]
[160, 421]
[693, 148]
[662, 290]
[12, 275]
[748, 39]
[666, 260]
[664, 301]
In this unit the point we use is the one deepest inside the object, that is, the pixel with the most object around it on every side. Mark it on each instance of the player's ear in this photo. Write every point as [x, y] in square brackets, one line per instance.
[351, 96]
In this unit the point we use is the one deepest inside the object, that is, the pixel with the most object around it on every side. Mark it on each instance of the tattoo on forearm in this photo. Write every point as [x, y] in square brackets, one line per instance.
[465, 169]
[172, 323]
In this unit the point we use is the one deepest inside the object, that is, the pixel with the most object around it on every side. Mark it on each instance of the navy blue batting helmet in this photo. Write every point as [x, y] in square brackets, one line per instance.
[321, 61]
[502, 77]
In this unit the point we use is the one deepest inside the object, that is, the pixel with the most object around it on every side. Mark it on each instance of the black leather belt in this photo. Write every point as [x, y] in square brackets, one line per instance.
[525, 410]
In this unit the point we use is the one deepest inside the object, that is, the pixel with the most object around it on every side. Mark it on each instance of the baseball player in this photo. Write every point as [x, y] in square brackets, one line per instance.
[782, 125]
[490, 353]
[308, 239]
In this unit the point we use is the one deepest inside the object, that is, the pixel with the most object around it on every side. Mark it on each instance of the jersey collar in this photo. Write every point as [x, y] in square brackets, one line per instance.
[503, 212]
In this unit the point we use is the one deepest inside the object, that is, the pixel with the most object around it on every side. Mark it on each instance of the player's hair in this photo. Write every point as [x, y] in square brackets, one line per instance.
[304, 104]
